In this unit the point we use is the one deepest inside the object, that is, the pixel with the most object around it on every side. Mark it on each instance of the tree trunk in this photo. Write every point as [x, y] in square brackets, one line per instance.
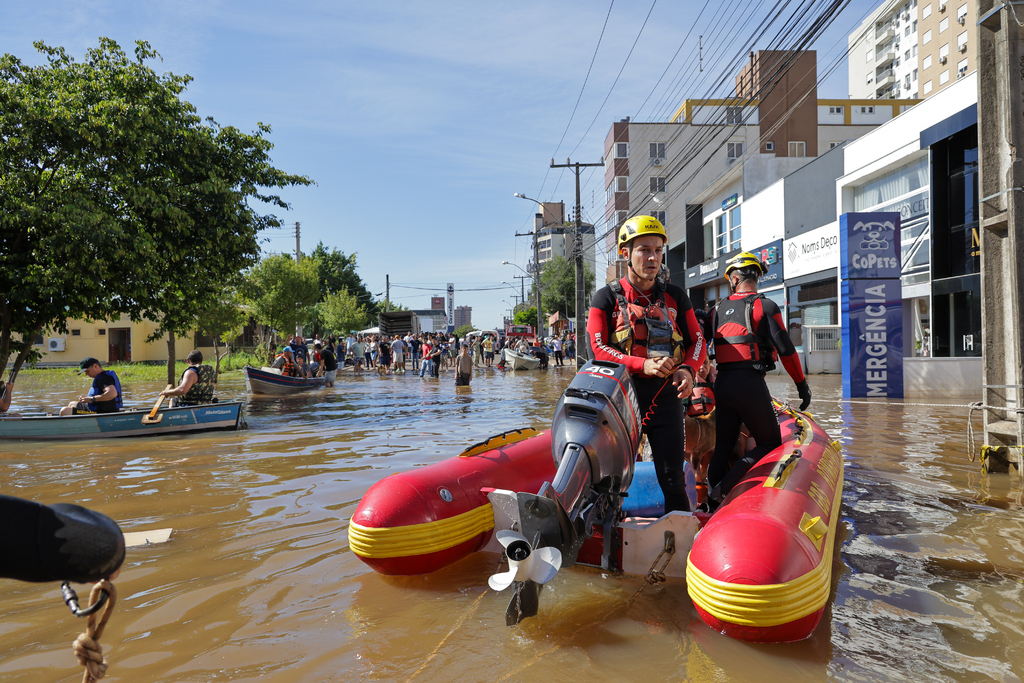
[171, 359]
[216, 355]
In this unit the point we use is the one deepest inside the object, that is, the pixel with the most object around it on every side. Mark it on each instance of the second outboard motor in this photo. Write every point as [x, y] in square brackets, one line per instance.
[595, 436]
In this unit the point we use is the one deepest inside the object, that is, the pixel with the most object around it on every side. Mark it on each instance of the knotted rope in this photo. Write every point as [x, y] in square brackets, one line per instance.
[86, 645]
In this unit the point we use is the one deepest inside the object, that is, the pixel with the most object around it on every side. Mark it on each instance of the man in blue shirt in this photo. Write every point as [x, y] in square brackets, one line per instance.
[104, 395]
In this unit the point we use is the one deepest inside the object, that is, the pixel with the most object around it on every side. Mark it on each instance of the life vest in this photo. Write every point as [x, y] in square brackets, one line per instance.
[630, 333]
[737, 343]
[202, 390]
[117, 385]
[701, 400]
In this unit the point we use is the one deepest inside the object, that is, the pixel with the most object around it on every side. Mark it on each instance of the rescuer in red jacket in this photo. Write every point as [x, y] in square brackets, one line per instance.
[748, 332]
[649, 326]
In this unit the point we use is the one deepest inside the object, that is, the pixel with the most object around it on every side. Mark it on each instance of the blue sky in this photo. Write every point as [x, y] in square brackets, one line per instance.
[418, 121]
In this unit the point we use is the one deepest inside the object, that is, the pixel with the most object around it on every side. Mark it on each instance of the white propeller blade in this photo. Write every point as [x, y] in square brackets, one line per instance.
[539, 565]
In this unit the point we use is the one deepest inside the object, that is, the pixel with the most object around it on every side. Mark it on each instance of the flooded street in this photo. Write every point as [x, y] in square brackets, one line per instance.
[257, 581]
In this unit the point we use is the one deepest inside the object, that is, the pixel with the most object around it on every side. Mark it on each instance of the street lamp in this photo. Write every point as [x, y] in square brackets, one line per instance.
[536, 263]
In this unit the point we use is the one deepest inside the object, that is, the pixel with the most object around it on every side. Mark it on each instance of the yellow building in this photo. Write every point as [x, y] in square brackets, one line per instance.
[114, 341]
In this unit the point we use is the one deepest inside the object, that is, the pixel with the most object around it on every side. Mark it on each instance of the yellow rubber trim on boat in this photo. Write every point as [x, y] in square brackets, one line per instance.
[503, 439]
[419, 539]
[773, 604]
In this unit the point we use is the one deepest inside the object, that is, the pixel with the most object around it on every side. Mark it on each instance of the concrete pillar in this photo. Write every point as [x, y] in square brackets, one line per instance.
[1001, 179]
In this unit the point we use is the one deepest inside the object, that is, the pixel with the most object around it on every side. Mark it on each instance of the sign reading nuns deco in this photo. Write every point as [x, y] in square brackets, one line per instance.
[872, 305]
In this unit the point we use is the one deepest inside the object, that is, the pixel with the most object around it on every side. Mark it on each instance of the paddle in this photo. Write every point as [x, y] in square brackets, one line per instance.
[136, 539]
[153, 418]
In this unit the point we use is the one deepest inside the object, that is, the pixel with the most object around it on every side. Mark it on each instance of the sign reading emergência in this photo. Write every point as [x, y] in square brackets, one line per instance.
[872, 305]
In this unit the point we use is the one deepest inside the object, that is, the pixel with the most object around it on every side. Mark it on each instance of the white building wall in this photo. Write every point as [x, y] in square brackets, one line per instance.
[899, 140]
[764, 216]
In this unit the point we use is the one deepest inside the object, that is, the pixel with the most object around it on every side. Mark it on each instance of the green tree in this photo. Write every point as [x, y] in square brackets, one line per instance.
[558, 286]
[342, 312]
[526, 316]
[462, 331]
[116, 198]
[337, 273]
[222, 318]
[280, 293]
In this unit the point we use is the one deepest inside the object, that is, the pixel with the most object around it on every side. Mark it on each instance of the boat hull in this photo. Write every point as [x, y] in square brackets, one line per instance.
[761, 569]
[420, 521]
[186, 419]
[263, 383]
[519, 361]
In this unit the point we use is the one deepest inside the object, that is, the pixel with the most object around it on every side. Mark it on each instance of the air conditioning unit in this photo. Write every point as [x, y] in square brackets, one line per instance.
[55, 344]
[960, 74]
[942, 7]
[658, 161]
[961, 19]
[963, 48]
[942, 60]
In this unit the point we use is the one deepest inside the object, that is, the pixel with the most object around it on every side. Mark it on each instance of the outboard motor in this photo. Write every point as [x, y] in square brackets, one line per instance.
[595, 436]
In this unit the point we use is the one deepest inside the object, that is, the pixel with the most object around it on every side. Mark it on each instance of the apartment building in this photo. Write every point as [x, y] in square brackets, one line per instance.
[694, 171]
[948, 43]
[883, 57]
[555, 237]
[911, 50]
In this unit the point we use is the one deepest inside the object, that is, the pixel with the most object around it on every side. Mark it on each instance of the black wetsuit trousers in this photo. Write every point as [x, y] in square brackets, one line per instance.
[741, 397]
[665, 432]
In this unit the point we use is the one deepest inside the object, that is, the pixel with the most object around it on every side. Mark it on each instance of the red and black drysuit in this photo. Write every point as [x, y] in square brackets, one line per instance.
[748, 332]
[620, 308]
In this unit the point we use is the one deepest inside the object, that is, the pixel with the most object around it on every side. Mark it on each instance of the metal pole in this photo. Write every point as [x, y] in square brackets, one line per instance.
[298, 251]
[1000, 137]
[538, 223]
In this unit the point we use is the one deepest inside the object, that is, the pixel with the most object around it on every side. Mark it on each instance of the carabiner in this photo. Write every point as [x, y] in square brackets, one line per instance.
[71, 600]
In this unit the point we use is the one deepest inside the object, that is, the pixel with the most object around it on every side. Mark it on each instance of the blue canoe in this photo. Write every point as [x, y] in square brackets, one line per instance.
[275, 384]
[186, 419]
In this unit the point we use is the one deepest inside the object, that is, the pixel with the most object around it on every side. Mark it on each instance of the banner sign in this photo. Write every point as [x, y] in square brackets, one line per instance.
[813, 251]
[870, 245]
[771, 255]
[872, 305]
[712, 270]
[451, 307]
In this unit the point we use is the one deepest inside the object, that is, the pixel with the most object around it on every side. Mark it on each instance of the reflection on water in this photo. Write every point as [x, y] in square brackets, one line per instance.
[258, 582]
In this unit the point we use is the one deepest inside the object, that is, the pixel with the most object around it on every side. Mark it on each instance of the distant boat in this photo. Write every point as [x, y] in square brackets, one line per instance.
[186, 419]
[270, 382]
[521, 361]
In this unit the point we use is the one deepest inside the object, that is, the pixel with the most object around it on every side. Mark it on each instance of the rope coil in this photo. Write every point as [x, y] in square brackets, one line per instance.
[87, 646]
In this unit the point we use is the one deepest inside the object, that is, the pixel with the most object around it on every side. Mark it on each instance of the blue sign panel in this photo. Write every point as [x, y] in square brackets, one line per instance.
[872, 338]
[870, 245]
[771, 255]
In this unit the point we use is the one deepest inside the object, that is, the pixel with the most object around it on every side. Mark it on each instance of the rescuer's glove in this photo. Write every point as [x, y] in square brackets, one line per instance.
[805, 394]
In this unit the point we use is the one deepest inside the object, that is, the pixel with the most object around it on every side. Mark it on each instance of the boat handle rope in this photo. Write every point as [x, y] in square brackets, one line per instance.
[655, 575]
[87, 645]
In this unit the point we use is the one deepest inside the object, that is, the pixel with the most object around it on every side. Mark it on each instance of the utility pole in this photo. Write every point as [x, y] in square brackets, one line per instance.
[1001, 225]
[387, 293]
[537, 225]
[297, 250]
[522, 287]
[582, 342]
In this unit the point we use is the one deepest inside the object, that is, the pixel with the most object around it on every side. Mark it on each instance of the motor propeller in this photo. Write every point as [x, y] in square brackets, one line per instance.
[528, 569]
[524, 562]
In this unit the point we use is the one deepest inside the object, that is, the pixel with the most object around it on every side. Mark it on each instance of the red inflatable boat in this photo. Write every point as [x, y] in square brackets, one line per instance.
[761, 568]
[420, 521]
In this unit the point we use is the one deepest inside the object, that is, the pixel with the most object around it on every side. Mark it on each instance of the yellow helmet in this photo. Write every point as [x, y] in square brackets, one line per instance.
[638, 226]
[744, 260]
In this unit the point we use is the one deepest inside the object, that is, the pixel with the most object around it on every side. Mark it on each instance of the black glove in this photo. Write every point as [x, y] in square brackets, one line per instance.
[805, 394]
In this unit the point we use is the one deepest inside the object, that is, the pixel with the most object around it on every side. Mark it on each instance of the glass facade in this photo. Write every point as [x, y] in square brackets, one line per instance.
[956, 252]
[813, 303]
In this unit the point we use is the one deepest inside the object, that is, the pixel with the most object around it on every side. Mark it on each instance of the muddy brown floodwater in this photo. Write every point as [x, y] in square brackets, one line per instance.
[258, 582]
